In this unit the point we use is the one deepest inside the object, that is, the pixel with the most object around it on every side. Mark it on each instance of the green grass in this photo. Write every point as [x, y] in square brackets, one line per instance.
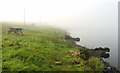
[39, 49]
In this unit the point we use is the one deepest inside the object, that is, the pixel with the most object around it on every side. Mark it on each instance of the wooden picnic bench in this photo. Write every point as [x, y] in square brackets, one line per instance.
[15, 30]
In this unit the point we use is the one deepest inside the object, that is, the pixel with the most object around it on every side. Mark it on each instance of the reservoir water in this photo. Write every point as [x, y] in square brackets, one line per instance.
[98, 37]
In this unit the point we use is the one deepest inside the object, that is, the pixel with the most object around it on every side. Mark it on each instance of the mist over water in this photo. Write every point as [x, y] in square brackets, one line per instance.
[93, 38]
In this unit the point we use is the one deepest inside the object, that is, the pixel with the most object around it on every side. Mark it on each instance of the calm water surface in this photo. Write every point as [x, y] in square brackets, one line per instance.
[92, 38]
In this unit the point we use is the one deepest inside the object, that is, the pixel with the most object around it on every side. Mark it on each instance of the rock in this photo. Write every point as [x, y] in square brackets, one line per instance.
[106, 49]
[105, 55]
[68, 37]
[77, 39]
[109, 69]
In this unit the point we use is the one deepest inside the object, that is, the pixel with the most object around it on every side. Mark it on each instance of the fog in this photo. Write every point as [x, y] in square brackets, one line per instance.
[94, 21]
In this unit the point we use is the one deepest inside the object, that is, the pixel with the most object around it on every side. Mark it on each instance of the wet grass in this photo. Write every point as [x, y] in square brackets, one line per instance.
[39, 49]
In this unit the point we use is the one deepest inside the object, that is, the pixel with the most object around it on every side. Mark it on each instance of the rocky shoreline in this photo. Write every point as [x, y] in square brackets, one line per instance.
[97, 52]
[109, 69]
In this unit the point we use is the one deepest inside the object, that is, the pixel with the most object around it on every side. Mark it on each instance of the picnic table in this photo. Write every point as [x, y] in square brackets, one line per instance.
[16, 30]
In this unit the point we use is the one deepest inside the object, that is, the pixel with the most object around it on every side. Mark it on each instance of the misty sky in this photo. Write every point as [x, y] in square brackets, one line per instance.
[63, 13]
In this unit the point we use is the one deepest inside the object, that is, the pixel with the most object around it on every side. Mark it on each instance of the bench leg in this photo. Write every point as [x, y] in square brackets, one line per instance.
[21, 33]
[15, 32]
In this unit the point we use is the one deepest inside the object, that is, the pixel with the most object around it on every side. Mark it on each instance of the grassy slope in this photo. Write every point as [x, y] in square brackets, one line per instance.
[39, 49]
[0, 47]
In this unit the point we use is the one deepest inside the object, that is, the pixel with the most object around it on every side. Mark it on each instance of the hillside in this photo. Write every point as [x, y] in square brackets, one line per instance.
[43, 48]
